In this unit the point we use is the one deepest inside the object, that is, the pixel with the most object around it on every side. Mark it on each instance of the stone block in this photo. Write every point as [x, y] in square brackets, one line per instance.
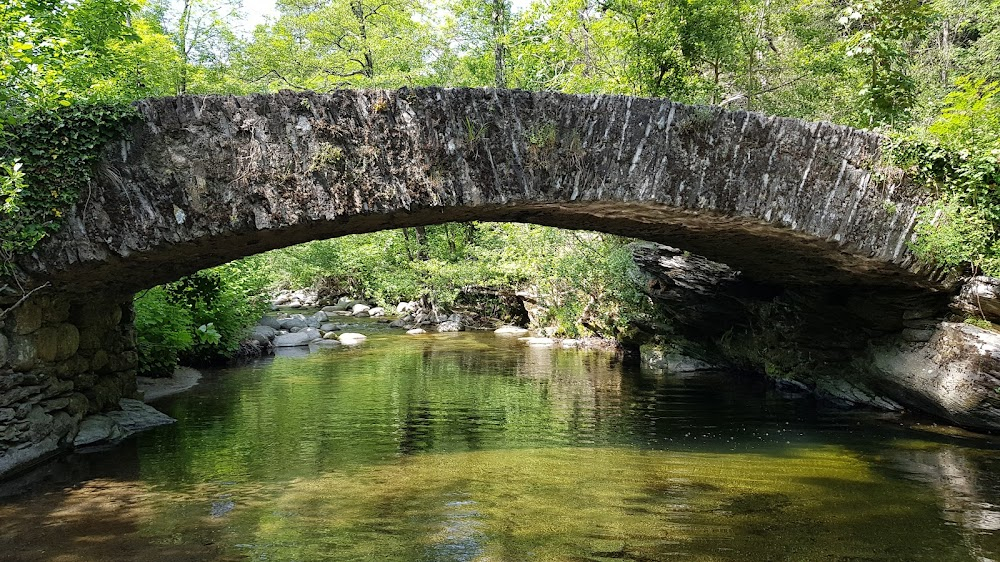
[99, 361]
[22, 355]
[56, 310]
[72, 367]
[92, 337]
[46, 342]
[27, 317]
[4, 348]
[69, 341]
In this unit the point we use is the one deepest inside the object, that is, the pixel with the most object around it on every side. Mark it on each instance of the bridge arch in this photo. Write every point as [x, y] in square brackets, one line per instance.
[206, 179]
[203, 180]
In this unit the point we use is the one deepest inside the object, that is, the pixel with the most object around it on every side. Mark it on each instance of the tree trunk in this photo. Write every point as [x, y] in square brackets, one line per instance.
[500, 13]
[421, 243]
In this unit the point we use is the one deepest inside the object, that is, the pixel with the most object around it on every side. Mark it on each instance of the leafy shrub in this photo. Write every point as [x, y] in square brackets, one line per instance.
[163, 332]
[198, 319]
[958, 157]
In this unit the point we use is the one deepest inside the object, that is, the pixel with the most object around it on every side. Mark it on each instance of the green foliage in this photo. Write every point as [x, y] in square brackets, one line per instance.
[879, 32]
[52, 51]
[585, 280]
[980, 323]
[951, 234]
[45, 165]
[958, 156]
[198, 319]
[163, 332]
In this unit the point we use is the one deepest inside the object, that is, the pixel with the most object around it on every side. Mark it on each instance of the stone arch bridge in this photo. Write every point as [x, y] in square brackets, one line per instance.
[202, 180]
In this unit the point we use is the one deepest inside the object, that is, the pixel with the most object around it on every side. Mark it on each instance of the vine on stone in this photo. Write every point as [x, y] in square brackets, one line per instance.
[46, 163]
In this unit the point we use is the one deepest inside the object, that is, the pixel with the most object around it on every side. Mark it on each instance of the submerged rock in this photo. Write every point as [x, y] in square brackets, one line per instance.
[660, 359]
[297, 339]
[324, 344]
[539, 342]
[111, 427]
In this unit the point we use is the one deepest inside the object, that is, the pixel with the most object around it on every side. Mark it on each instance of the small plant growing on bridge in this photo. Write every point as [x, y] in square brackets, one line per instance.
[700, 121]
[381, 105]
[474, 132]
[325, 156]
[543, 136]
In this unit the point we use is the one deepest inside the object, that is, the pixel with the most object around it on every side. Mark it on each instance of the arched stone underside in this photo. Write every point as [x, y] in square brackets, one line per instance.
[204, 180]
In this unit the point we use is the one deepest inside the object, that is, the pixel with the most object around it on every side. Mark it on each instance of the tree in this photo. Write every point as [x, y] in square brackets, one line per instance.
[879, 34]
[366, 43]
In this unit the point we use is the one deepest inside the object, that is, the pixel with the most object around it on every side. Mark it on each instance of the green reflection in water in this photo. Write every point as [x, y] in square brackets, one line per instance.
[473, 448]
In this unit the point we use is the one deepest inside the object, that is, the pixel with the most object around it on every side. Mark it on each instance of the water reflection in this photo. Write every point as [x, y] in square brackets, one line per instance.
[469, 447]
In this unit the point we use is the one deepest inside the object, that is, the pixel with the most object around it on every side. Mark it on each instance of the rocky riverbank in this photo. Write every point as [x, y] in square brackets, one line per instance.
[874, 346]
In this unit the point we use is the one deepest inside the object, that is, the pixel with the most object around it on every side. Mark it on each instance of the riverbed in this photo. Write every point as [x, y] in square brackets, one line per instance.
[471, 447]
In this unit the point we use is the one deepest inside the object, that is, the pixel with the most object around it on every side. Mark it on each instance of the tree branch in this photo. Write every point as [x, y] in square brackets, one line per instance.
[24, 297]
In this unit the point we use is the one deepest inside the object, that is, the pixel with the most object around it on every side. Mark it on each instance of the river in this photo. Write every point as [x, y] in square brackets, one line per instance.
[471, 447]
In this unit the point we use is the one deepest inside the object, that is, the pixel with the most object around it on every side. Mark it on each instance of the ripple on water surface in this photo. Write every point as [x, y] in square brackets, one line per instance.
[459, 447]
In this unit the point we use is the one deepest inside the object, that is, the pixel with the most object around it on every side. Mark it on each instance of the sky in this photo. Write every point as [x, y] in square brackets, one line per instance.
[258, 10]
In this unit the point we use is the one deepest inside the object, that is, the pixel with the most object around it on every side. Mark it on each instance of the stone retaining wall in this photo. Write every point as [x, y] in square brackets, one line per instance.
[60, 360]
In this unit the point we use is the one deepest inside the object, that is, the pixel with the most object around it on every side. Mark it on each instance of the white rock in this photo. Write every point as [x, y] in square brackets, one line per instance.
[539, 342]
[351, 338]
[416, 331]
[360, 308]
[510, 331]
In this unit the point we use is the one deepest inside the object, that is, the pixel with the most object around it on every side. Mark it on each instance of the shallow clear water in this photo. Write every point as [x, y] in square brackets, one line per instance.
[469, 447]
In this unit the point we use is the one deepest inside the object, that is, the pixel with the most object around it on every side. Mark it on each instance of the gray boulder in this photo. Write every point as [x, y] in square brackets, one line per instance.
[450, 326]
[300, 338]
[270, 321]
[263, 334]
[294, 321]
[110, 427]
[376, 312]
[329, 327]
[324, 344]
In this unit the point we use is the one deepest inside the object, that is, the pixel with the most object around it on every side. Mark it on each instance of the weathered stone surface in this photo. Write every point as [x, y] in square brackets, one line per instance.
[324, 343]
[416, 331]
[263, 334]
[980, 297]
[955, 375]
[109, 428]
[22, 353]
[539, 342]
[27, 318]
[96, 429]
[660, 359]
[775, 198]
[270, 321]
[134, 416]
[294, 340]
